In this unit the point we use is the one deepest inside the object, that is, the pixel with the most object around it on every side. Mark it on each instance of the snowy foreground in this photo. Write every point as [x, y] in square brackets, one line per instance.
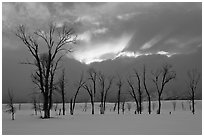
[180, 121]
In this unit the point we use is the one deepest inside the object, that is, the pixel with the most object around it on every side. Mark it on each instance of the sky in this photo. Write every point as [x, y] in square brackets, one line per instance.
[120, 33]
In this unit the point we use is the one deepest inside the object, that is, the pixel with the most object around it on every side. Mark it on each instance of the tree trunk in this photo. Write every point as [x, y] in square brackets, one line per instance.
[140, 102]
[101, 105]
[63, 104]
[50, 100]
[114, 108]
[12, 115]
[118, 106]
[193, 103]
[119, 101]
[159, 100]
[71, 107]
[36, 111]
[92, 103]
[149, 107]
[104, 103]
[46, 107]
[123, 107]
[137, 105]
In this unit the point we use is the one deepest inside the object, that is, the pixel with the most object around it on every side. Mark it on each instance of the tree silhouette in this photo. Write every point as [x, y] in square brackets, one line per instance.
[167, 74]
[193, 80]
[88, 88]
[79, 85]
[105, 84]
[119, 85]
[133, 93]
[56, 47]
[139, 90]
[145, 87]
[61, 89]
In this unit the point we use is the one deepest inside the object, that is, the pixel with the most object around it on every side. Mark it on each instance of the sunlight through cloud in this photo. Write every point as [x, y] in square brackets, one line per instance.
[93, 53]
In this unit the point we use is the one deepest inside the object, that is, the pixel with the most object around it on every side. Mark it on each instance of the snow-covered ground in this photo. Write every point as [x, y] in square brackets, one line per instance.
[180, 121]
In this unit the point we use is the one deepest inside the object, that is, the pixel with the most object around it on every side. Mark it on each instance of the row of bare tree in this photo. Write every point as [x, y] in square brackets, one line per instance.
[58, 42]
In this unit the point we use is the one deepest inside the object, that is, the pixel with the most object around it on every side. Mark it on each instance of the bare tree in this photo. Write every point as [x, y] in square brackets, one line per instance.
[167, 74]
[105, 85]
[10, 106]
[194, 78]
[139, 90]
[109, 85]
[119, 85]
[92, 75]
[79, 85]
[101, 78]
[145, 87]
[55, 44]
[88, 88]
[61, 89]
[133, 94]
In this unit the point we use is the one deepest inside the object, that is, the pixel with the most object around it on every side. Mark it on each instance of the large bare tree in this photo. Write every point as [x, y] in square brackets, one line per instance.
[160, 78]
[193, 80]
[57, 43]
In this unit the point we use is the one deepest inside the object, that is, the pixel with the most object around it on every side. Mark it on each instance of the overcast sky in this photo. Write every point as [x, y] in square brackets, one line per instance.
[106, 31]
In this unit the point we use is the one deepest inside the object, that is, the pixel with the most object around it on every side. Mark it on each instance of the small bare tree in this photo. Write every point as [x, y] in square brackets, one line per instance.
[145, 87]
[133, 94]
[10, 106]
[79, 85]
[88, 88]
[109, 85]
[194, 78]
[101, 78]
[167, 74]
[119, 85]
[61, 89]
[103, 81]
[139, 90]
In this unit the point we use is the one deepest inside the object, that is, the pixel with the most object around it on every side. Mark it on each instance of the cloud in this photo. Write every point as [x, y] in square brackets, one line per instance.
[87, 35]
[137, 54]
[152, 42]
[168, 27]
[89, 53]
[127, 16]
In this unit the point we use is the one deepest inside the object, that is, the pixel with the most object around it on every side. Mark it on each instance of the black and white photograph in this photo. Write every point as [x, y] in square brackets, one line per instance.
[101, 68]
